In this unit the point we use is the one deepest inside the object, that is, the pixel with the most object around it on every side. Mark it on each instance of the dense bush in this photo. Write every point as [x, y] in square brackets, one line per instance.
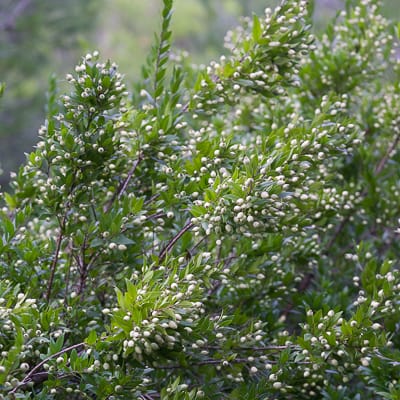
[228, 231]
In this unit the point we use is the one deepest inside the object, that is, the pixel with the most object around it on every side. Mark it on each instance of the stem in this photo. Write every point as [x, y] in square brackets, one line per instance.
[156, 215]
[36, 368]
[219, 362]
[172, 242]
[123, 185]
[249, 348]
[386, 157]
[87, 267]
[148, 397]
[204, 362]
[55, 258]
[82, 269]
[152, 198]
[338, 231]
[191, 251]
[129, 177]
[302, 287]
[67, 278]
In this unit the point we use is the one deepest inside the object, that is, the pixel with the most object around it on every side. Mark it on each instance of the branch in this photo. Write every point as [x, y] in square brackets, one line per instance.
[386, 157]
[55, 259]
[67, 278]
[172, 242]
[338, 231]
[301, 288]
[148, 397]
[205, 362]
[83, 268]
[212, 361]
[152, 198]
[250, 348]
[219, 362]
[123, 185]
[38, 366]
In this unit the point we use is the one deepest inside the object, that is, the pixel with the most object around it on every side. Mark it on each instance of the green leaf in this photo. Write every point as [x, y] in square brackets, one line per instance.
[121, 299]
[56, 346]
[92, 338]
[122, 239]
[10, 200]
[73, 357]
[197, 211]
[257, 31]
[8, 226]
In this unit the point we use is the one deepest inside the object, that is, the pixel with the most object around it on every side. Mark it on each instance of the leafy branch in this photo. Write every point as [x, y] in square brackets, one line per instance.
[37, 367]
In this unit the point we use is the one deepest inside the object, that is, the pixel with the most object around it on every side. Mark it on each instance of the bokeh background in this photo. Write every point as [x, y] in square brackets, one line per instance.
[39, 38]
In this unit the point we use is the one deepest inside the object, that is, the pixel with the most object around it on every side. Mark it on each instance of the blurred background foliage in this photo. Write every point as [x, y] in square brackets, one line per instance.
[42, 37]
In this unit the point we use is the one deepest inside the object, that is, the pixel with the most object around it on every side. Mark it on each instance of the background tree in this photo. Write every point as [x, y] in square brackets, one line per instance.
[37, 38]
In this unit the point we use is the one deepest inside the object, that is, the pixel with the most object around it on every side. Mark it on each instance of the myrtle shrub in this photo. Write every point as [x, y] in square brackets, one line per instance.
[227, 231]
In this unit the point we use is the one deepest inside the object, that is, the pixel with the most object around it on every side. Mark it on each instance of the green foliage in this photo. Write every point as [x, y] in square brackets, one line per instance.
[222, 232]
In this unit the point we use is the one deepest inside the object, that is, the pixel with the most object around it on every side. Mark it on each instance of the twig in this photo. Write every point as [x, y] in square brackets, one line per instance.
[55, 259]
[83, 267]
[219, 362]
[225, 260]
[38, 366]
[156, 215]
[204, 362]
[172, 242]
[123, 185]
[191, 251]
[152, 198]
[302, 287]
[386, 157]
[338, 231]
[67, 278]
[249, 348]
[129, 177]
[85, 271]
[148, 397]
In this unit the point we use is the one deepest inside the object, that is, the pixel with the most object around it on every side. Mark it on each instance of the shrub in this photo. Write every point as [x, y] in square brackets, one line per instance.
[227, 231]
